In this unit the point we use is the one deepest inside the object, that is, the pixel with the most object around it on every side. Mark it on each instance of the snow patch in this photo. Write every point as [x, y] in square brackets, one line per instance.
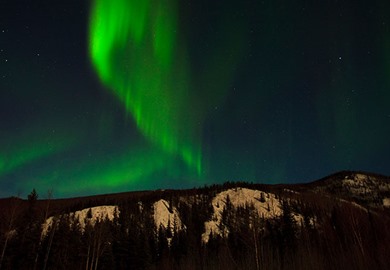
[87, 215]
[386, 202]
[265, 203]
[365, 186]
[290, 191]
[10, 234]
[166, 216]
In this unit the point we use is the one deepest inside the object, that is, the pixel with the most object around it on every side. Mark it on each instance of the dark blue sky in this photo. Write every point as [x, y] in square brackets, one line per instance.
[295, 90]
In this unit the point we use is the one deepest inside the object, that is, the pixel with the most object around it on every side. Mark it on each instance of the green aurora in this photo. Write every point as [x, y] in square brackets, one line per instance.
[108, 96]
[136, 52]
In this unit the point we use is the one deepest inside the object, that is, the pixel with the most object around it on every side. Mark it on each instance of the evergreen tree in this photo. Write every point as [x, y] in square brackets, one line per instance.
[33, 196]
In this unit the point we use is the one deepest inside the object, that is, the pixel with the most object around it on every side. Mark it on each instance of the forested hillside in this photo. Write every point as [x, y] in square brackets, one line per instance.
[327, 224]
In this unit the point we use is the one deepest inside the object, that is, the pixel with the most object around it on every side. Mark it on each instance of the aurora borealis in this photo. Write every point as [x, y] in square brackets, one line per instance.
[106, 96]
[133, 48]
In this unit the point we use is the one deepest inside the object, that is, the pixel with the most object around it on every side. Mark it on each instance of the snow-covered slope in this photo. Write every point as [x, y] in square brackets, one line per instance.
[366, 189]
[90, 215]
[166, 216]
[266, 205]
[386, 202]
[361, 184]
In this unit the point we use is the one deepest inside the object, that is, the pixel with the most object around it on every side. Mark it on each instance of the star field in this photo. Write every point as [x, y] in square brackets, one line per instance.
[118, 95]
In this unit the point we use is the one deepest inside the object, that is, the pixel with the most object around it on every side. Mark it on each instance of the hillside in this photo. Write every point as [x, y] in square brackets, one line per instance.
[339, 222]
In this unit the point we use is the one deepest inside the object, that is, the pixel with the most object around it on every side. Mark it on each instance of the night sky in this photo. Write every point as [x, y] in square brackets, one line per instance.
[106, 96]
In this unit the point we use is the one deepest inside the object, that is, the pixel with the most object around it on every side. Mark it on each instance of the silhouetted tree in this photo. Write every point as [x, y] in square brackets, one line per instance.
[33, 196]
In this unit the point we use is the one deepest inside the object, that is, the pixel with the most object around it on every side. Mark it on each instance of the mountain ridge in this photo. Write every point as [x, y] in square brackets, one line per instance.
[251, 226]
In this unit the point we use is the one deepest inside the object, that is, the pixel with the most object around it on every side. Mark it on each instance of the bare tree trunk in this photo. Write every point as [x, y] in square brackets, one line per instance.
[93, 255]
[98, 245]
[97, 260]
[4, 248]
[49, 196]
[256, 249]
[50, 242]
[357, 233]
[87, 263]
[8, 234]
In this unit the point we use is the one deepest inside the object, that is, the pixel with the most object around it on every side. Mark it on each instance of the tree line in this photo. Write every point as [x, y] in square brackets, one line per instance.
[330, 234]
